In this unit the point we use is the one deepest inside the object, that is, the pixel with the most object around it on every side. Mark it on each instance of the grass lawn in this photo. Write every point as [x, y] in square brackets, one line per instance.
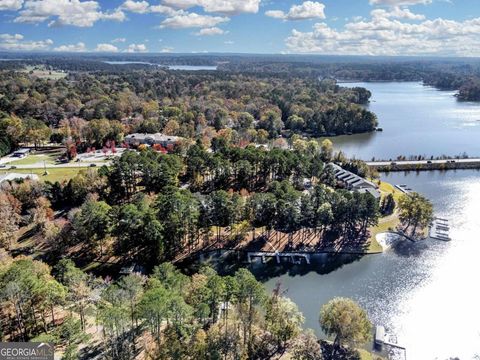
[43, 73]
[34, 159]
[387, 188]
[386, 223]
[57, 174]
[366, 355]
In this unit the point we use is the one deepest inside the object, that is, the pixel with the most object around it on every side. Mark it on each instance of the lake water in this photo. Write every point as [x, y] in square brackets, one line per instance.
[426, 293]
[417, 120]
[170, 67]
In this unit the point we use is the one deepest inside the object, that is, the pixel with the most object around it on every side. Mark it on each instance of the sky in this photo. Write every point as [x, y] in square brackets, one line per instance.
[340, 27]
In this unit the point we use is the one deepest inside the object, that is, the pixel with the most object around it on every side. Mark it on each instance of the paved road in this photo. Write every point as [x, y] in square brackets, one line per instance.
[422, 162]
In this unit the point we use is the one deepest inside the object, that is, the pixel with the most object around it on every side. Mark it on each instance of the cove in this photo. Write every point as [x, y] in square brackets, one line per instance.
[416, 120]
[426, 293]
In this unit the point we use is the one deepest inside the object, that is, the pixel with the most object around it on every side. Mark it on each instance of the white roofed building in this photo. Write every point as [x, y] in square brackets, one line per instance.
[17, 176]
[152, 139]
[353, 182]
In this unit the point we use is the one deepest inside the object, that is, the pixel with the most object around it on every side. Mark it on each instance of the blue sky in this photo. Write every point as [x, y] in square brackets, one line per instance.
[353, 27]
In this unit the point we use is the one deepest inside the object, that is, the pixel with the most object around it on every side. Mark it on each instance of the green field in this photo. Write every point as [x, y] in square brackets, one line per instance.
[386, 223]
[43, 73]
[34, 159]
[57, 174]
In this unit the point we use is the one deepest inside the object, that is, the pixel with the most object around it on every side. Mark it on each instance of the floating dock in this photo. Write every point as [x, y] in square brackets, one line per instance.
[382, 338]
[295, 258]
[404, 188]
[440, 229]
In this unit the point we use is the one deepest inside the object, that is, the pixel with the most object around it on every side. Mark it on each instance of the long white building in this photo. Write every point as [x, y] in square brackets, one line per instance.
[17, 176]
[353, 182]
[152, 139]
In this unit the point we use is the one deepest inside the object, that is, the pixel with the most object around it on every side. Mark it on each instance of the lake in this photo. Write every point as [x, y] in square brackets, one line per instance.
[417, 120]
[426, 293]
[170, 67]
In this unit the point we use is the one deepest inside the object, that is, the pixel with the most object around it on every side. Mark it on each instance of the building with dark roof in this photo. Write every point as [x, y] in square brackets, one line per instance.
[353, 182]
[152, 139]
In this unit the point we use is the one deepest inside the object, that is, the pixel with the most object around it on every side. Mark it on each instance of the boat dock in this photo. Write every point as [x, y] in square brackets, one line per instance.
[439, 229]
[382, 338]
[404, 188]
[295, 258]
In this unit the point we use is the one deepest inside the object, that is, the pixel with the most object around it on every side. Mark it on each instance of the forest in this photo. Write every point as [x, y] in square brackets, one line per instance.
[191, 105]
[248, 167]
[149, 208]
[459, 74]
[167, 315]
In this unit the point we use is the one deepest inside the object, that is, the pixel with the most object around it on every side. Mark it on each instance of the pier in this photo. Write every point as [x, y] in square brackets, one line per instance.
[439, 229]
[295, 258]
[382, 338]
[404, 188]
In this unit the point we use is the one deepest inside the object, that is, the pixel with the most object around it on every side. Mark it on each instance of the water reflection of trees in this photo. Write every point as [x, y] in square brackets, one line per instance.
[406, 248]
[228, 262]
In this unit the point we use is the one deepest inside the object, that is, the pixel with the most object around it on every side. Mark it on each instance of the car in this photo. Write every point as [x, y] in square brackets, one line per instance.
[393, 163]
[93, 165]
[13, 167]
[2, 166]
[429, 161]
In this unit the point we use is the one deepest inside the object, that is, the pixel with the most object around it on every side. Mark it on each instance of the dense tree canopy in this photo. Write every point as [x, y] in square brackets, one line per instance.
[105, 106]
[346, 321]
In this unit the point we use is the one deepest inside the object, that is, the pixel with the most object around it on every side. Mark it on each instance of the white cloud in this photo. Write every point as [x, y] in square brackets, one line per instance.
[140, 7]
[134, 48]
[277, 14]
[106, 48]
[166, 49]
[65, 12]
[16, 42]
[386, 33]
[11, 4]
[117, 15]
[119, 40]
[162, 9]
[9, 37]
[229, 42]
[79, 47]
[210, 31]
[144, 7]
[400, 2]
[228, 7]
[305, 11]
[192, 20]
[397, 12]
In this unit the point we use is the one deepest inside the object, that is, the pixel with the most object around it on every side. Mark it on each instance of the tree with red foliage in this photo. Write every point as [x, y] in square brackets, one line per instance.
[159, 148]
[71, 150]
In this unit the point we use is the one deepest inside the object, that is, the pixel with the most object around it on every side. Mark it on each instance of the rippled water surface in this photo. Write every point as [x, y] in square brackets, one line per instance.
[428, 294]
[417, 120]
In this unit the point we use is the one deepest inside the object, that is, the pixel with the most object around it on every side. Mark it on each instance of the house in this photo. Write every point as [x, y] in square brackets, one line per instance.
[353, 182]
[152, 139]
[374, 192]
[17, 176]
[21, 153]
[132, 269]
